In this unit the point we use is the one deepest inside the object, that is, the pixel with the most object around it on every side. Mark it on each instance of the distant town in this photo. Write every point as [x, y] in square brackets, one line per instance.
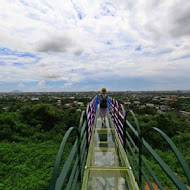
[159, 101]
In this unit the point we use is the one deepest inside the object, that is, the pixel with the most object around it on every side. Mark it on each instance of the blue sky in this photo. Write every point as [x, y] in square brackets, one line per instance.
[71, 45]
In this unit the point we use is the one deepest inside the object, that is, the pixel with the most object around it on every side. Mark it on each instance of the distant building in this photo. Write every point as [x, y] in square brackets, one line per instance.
[185, 113]
[149, 105]
[156, 98]
[136, 103]
[6, 109]
[172, 101]
[69, 105]
[127, 103]
[165, 99]
[164, 108]
[80, 103]
[34, 99]
[157, 107]
[142, 107]
[59, 102]
[55, 98]
[184, 97]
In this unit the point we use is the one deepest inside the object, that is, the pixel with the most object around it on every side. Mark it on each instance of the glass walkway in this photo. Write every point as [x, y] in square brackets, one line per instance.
[107, 165]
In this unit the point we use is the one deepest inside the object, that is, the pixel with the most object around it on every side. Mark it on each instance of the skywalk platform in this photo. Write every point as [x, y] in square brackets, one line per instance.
[109, 157]
[107, 165]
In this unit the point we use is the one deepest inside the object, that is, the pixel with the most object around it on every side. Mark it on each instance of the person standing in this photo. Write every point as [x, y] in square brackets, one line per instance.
[103, 96]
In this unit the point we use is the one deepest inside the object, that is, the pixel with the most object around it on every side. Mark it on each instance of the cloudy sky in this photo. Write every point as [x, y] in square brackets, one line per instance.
[72, 45]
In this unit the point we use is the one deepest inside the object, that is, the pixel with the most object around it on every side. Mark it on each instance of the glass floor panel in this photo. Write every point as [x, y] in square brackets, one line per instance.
[105, 151]
[103, 179]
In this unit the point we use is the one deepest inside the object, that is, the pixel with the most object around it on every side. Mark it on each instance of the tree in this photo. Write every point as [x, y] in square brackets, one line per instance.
[40, 114]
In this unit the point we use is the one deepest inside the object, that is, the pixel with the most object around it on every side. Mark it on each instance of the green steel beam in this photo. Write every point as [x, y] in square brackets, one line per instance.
[140, 146]
[66, 167]
[82, 117]
[83, 164]
[177, 153]
[83, 128]
[75, 179]
[59, 157]
[179, 184]
[72, 174]
[132, 165]
[83, 141]
[143, 172]
[146, 164]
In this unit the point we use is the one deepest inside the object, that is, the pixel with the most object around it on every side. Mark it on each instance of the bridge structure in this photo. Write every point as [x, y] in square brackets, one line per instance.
[111, 156]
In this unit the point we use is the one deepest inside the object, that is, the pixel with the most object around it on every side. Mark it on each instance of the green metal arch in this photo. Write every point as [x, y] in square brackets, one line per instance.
[179, 184]
[59, 156]
[177, 153]
[146, 164]
[81, 119]
[140, 147]
[136, 121]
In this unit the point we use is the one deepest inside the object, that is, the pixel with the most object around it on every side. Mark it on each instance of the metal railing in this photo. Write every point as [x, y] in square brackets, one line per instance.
[91, 113]
[134, 151]
[117, 113]
[73, 168]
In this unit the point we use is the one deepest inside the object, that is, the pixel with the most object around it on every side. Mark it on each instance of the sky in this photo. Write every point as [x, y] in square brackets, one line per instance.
[72, 45]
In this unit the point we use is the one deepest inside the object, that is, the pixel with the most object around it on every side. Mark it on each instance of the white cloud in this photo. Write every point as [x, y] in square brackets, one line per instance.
[75, 41]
